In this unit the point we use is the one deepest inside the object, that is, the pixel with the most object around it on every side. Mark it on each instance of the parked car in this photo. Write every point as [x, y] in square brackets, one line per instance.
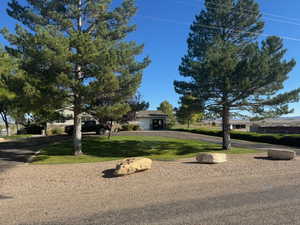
[31, 129]
[89, 126]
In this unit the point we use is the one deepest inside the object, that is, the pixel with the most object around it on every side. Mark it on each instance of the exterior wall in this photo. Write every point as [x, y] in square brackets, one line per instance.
[145, 123]
[240, 127]
[70, 114]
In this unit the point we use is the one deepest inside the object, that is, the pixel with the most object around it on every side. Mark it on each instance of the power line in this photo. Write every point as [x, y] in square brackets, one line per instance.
[215, 27]
[263, 13]
[268, 16]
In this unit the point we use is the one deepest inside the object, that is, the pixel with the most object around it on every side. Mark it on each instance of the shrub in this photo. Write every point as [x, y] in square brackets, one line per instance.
[31, 129]
[56, 131]
[136, 127]
[130, 127]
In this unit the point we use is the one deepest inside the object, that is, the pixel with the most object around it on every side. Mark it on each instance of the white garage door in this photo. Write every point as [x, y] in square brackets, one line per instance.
[144, 124]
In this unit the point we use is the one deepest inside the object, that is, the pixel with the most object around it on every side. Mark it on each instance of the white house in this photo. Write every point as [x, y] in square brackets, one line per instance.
[151, 120]
[147, 120]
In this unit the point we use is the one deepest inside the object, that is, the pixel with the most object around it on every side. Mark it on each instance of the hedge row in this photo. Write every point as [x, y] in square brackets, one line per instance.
[130, 127]
[279, 139]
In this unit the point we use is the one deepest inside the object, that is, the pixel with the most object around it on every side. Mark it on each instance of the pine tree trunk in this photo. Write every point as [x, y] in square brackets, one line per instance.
[17, 125]
[77, 135]
[226, 129]
[188, 123]
[7, 128]
[4, 118]
[46, 129]
[110, 130]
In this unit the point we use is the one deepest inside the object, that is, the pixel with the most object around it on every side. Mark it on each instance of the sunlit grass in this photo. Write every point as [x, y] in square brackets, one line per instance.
[98, 149]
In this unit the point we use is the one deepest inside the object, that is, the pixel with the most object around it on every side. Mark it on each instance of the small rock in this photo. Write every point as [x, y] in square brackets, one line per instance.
[281, 154]
[132, 165]
[211, 158]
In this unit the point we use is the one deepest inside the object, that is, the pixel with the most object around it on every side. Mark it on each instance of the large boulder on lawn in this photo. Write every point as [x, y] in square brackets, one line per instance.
[211, 158]
[281, 154]
[132, 165]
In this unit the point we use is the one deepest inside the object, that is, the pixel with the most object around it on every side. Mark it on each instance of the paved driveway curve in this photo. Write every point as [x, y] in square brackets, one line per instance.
[19, 151]
[206, 138]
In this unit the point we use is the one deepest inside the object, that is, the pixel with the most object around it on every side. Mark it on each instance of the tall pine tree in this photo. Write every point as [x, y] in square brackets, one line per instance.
[229, 70]
[75, 50]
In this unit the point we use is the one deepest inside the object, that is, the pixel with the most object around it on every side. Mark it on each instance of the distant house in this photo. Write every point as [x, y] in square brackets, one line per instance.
[243, 125]
[151, 120]
[69, 115]
[284, 125]
[147, 120]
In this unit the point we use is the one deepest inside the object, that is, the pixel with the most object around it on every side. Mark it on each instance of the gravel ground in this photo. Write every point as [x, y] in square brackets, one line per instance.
[169, 193]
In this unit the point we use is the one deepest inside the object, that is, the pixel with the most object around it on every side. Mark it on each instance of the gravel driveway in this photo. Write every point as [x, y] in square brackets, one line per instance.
[245, 190]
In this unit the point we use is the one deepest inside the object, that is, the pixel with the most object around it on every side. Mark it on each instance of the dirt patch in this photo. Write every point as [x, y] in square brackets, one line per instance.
[3, 140]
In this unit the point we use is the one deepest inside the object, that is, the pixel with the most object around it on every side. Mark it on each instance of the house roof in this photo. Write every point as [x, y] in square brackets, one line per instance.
[150, 114]
[279, 122]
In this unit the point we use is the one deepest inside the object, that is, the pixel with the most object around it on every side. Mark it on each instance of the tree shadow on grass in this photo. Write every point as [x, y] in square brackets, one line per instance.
[186, 149]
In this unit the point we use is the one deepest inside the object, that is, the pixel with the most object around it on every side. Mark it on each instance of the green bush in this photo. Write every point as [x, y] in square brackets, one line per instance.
[136, 127]
[130, 127]
[279, 139]
[56, 131]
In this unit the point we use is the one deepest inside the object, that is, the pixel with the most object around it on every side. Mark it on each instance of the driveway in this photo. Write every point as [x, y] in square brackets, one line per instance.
[206, 138]
[246, 190]
[19, 151]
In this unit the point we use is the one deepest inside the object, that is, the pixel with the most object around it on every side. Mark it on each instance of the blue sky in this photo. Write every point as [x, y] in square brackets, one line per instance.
[163, 26]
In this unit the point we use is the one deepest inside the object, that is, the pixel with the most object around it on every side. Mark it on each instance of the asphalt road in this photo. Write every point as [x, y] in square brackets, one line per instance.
[207, 138]
[18, 152]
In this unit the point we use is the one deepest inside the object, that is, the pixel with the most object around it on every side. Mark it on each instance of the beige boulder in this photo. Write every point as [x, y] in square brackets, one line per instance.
[211, 158]
[132, 165]
[281, 154]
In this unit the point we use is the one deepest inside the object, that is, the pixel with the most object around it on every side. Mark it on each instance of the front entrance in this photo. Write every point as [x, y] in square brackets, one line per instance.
[158, 124]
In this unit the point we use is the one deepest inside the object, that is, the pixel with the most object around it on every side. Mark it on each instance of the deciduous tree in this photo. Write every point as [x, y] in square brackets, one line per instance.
[190, 110]
[168, 109]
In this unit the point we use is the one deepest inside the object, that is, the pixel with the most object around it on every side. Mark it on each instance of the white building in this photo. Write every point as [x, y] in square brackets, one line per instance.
[151, 120]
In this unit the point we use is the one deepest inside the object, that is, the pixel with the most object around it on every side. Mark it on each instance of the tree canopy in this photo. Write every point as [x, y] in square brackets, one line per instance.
[168, 109]
[190, 110]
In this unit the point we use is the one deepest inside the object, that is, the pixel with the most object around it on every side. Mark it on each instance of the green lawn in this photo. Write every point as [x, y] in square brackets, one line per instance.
[98, 149]
[17, 136]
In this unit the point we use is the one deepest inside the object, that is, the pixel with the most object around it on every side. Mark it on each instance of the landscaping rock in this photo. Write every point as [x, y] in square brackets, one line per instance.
[211, 158]
[281, 154]
[132, 165]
